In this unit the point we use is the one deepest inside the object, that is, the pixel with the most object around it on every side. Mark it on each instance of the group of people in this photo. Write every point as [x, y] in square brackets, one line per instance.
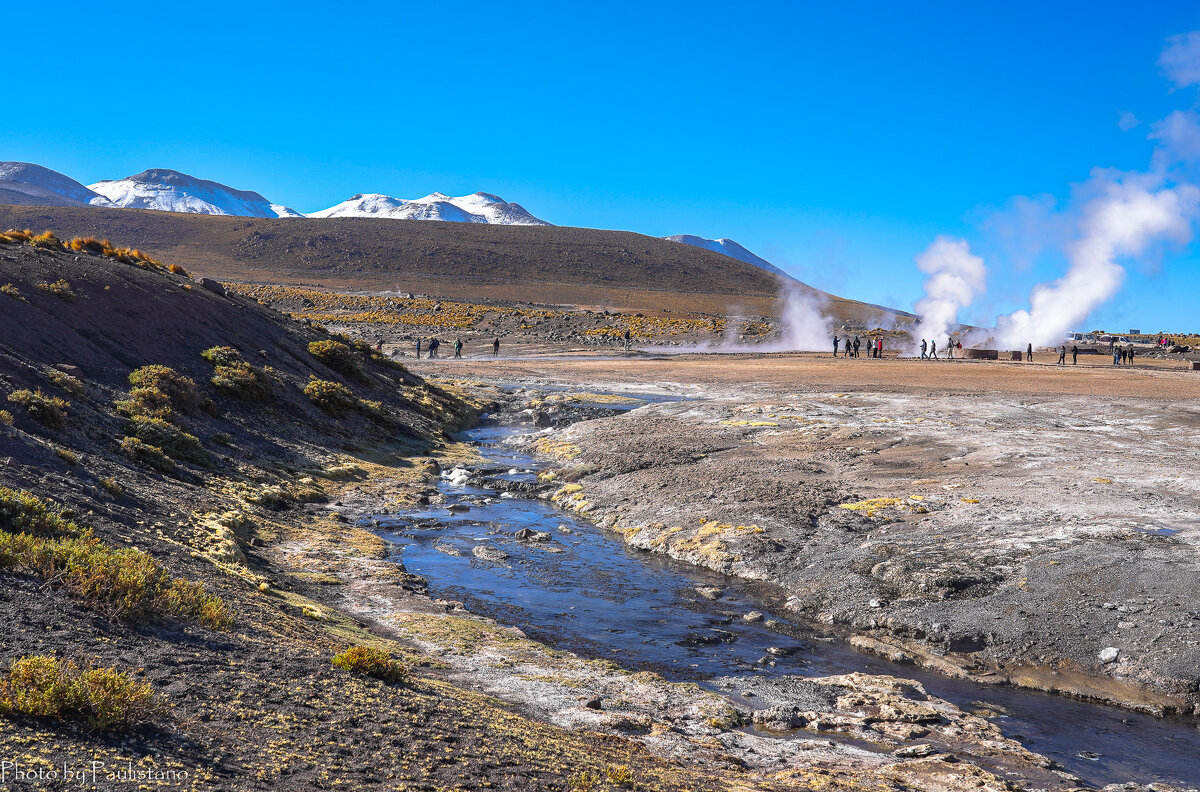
[1122, 355]
[929, 349]
[853, 348]
[433, 345]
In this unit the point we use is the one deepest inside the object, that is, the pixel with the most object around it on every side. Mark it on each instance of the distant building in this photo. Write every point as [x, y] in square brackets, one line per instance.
[1135, 332]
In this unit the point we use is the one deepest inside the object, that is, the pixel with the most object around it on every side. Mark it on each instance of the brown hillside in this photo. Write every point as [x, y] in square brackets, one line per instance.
[467, 261]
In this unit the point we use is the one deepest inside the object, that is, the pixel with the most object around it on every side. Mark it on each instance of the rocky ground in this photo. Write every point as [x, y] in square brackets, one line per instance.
[990, 527]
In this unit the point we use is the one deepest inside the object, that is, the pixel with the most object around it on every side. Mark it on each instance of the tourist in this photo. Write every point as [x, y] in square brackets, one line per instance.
[433, 347]
[949, 349]
[932, 349]
[835, 346]
[1062, 355]
[924, 347]
[418, 349]
[1029, 353]
[1075, 355]
[879, 347]
[458, 347]
[627, 339]
[495, 347]
[857, 345]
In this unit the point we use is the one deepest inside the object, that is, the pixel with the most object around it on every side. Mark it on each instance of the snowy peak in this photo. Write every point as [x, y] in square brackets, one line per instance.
[47, 187]
[477, 208]
[171, 191]
[727, 247]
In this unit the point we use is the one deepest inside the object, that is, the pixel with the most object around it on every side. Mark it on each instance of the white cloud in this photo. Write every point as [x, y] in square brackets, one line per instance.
[1127, 121]
[1180, 59]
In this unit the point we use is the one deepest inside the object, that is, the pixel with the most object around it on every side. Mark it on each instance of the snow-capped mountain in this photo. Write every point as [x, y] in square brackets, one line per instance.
[729, 248]
[477, 208]
[172, 191]
[48, 188]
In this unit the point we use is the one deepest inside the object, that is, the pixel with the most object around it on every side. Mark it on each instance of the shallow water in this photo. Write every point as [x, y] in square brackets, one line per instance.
[588, 592]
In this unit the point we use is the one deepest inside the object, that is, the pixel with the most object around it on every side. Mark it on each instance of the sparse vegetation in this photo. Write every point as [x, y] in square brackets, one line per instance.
[6, 418]
[585, 781]
[235, 376]
[67, 455]
[620, 775]
[338, 356]
[126, 584]
[146, 454]
[179, 390]
[104, 698]
[168, 438]
[332, 397]
[112, 486]
[47, 241]
[371, 662]
[60, 289]
[70, 384]
[11, 291]
[49, 411]
[124, 255]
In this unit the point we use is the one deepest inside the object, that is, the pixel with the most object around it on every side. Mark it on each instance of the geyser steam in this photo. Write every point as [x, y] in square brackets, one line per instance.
[955, 277]
[1128, 215]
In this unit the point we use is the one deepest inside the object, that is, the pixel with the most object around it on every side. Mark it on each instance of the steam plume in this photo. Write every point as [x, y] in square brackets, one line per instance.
[1130, 213]
[955, 276]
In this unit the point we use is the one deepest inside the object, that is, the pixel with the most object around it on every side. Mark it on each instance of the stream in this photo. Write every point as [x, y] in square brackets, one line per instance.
[586, 591]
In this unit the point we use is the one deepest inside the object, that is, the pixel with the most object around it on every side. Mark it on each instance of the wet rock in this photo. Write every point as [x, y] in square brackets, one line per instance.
[530, 535]
[779, 718]
[753, 616]
[914, 751]
[1109, 654]
[709, 592]
[458, 507]
[490, 554]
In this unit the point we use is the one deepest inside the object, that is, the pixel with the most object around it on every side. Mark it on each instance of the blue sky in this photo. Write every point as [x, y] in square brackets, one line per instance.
[834, 139]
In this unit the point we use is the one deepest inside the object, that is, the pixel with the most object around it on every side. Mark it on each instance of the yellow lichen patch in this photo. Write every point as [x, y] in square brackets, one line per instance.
[557, 448]
[970, 500]
[871, 505]
[547, 475]
[1102, 480]
[748, 423]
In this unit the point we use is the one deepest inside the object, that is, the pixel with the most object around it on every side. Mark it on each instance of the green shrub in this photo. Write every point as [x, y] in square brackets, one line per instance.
[180, 390]
[23, 512]
[49, 411]
[60, 289]
[149, 455]
[168, 438]
[222, 356]
[147, 402]
[222, 438]
[67, 455]
[332, 397]
[127, 584]
[104, 698]
[337, 356]
[11, 291]
[65, 381]
[241, 380]
[113, 487]
[371, 662]
[6, 418]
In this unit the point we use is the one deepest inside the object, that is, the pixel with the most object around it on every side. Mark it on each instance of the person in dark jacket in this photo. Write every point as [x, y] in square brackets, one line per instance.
[495, 347]
[1029, 353]
[1075, 355]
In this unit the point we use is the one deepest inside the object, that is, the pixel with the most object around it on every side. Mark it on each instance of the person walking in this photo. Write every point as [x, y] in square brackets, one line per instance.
[1029, 353]
[1062, 355]
[949, 349]
[1074, 354]
[627, 339]
[924, 347]
[433, 347]
[418, 349]
[932, 349]
[495, 347]
[458, 347]
[835, 345]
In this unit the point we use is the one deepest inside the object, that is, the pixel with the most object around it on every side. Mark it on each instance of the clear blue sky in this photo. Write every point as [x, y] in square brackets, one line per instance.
[835, 139]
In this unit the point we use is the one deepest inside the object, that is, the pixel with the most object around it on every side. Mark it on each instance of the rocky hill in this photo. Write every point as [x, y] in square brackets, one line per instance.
[547, 264]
